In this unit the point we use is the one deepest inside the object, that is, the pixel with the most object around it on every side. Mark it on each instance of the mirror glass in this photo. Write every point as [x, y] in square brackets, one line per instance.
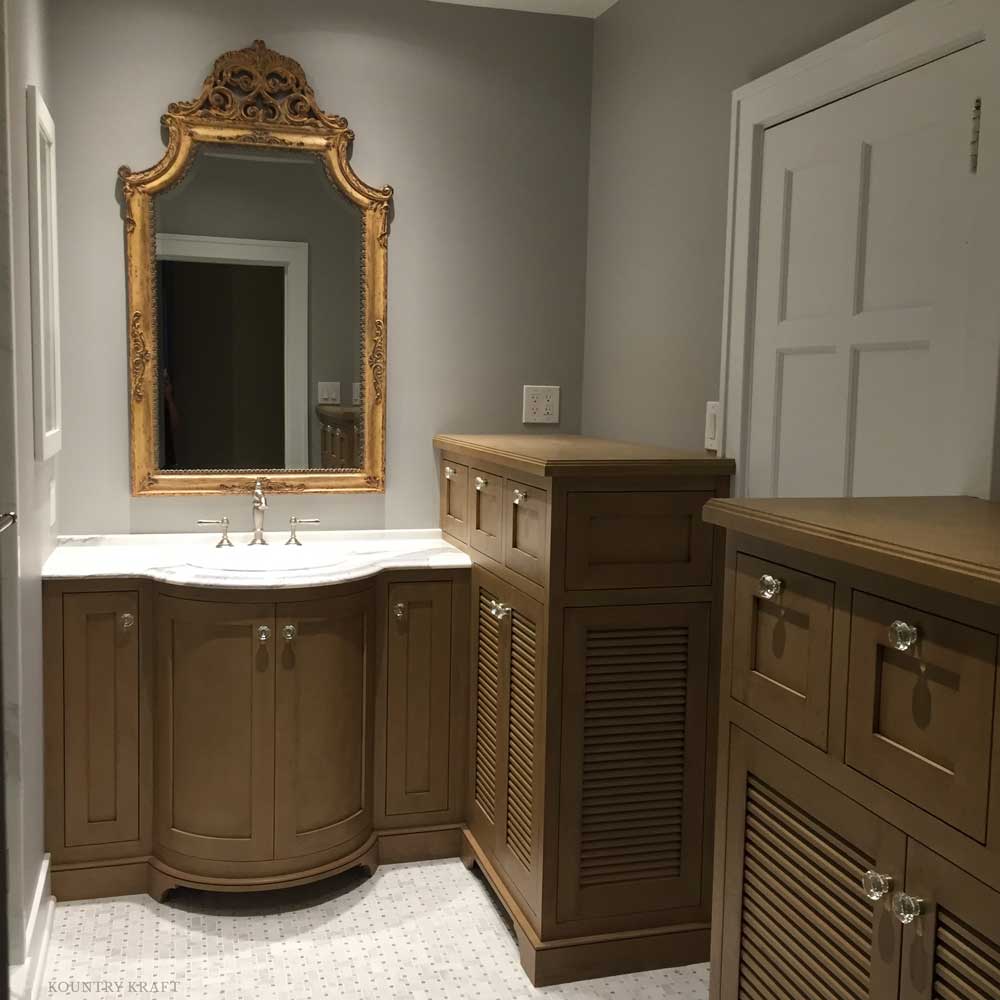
[258, 269]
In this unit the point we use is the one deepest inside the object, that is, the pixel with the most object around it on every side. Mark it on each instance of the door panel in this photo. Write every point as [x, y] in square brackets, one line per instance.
[951, 951]
[867, 210]
[323, 732]
[215, 729]
[418, 711]
[797, 923]
[632, 794]
[101, 717]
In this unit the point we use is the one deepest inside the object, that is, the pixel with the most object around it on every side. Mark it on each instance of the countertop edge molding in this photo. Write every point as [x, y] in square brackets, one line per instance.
[941, 570]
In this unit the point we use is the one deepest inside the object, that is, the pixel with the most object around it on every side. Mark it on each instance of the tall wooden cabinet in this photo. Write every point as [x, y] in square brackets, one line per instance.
[594, 602]
[858, 837]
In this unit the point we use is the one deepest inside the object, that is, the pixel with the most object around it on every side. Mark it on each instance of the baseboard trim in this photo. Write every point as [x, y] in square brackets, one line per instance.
[26, 979]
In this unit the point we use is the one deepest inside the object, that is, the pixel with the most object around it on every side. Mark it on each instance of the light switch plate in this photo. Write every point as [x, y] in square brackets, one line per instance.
[712, 426]
[541, 404]
[356, 394]
[329, 392]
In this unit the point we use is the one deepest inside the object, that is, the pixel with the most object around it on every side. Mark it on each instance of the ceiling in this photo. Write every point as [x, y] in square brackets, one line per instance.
[575, 8]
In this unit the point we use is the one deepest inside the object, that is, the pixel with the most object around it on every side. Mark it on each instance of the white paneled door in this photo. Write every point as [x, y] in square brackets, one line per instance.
[860, 342]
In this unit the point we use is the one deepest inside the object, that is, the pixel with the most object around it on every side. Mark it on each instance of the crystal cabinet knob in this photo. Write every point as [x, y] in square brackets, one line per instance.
[519, 497]
[499, 610]
[481, 484]
[769, 587]
[263, 632]
[876, 885]
[127, 621]
[907, 908]
[903, 636]
[289, 632]
[399, 610]
[449, 472]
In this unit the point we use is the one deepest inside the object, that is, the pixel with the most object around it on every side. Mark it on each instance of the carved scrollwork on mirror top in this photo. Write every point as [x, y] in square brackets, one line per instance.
[254, 97]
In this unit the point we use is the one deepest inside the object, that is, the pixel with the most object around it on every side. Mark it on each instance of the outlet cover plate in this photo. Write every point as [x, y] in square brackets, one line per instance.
[328, 392]
[541, 404]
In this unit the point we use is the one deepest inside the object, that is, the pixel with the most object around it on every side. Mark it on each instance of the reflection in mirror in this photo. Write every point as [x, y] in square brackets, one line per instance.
[259, 265]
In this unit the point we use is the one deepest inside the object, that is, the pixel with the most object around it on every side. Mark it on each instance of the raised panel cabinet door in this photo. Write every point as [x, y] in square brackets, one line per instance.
[802, 862]
[632, 792]
[782, 646]
[951, 947]
[323, 731]
[215, 729]
[418, 702]
[101, 717]
[526, 530]
[485, 513]
[454, 486]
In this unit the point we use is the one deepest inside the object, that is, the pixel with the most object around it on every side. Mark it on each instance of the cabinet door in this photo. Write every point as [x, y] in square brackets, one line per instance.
[100, 718]
[633, 759]
[797, 923]
[418, 698]
[951, 951]
[323, 734]
[215, 729]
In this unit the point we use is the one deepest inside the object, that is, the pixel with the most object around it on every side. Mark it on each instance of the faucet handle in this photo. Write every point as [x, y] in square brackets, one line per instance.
[293, 524]
[224, 521]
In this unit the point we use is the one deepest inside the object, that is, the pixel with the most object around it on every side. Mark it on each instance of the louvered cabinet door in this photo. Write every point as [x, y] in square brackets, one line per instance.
[633, 761]
[951, 951]
[797, 923]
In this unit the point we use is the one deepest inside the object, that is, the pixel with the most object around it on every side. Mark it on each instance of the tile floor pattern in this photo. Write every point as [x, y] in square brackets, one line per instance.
[425, 931]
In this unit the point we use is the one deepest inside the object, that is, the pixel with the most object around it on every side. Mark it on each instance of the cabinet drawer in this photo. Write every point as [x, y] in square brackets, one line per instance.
[454, 485]
[526, 529]
[485, 516]
[782, 646]
[920, 719]
[630, 540]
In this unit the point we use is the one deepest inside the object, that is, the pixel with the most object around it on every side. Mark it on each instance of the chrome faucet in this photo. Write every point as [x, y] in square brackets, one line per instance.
[259, 506]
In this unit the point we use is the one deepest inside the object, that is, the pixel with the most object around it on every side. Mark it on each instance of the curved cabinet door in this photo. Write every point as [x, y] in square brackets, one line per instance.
[215, 729]
[323, 735]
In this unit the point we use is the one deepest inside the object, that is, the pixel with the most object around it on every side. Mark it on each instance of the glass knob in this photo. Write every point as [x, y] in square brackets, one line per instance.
[448, 472]
[519, 497]
[907, 908]
[263, 632]
[399, 610]
[127, 621]
[769, 587]
[289, 632]
[499, 610]
[481, 483]
[876, 885]
[903, 636]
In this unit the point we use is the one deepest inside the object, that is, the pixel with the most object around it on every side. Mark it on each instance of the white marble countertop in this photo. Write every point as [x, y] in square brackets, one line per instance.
[324, 557]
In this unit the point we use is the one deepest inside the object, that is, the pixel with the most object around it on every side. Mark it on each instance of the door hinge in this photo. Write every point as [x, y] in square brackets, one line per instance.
[977, 114]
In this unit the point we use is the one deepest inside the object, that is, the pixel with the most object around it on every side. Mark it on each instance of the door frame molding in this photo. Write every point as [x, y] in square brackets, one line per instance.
[294, 259]
[912, 36]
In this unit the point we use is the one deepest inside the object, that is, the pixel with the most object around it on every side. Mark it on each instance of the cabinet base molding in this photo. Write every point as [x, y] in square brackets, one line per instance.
[567, 960]
[129, 876]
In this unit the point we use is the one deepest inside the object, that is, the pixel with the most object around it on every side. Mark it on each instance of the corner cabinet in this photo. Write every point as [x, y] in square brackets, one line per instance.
[224, 740]
[595, 597]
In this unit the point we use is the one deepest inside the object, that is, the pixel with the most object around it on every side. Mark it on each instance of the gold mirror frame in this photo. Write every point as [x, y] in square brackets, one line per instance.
[254, 97]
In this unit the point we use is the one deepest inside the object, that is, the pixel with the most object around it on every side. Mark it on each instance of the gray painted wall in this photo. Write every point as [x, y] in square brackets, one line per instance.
[478, 118]
[22, 558]
[663, 80]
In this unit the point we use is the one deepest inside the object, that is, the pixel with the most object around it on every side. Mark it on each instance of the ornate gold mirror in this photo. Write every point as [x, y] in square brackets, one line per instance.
[256, 276]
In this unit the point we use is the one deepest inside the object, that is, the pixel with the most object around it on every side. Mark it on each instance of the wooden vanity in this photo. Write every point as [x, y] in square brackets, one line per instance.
[245, 739]
[858, 828]
[595, 607]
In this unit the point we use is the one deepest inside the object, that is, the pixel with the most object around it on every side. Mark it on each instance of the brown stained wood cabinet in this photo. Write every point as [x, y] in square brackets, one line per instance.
[858, 819]
[595, 598]
[225, 740]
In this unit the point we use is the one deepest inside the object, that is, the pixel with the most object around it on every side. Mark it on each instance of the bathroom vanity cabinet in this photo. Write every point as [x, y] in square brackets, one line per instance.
[226, 739]
[595, 598]
[858, 826]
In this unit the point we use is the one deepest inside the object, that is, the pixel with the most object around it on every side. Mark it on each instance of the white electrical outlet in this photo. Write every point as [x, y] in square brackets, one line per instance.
[541, 404]
[356, 394]
[712, 428]
[329, 392]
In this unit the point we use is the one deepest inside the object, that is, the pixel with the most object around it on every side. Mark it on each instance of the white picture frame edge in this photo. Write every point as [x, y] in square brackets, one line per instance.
[43, 241]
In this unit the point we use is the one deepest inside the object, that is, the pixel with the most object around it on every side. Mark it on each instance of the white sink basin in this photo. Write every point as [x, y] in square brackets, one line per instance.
[271, 558]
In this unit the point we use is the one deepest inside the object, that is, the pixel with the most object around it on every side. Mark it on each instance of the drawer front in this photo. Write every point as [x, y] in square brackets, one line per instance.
[782, 646]
[454, 484]
[486, 518]
[920, 720]
[621, 541]
[526, 529]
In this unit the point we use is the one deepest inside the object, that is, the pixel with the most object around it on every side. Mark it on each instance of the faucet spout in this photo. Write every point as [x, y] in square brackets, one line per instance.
[257, 514]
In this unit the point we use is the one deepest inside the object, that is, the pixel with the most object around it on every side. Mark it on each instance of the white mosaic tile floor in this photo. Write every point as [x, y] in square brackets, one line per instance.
[427, 931]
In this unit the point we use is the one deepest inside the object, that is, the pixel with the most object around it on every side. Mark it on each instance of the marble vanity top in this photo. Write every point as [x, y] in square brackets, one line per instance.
[193, 559]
